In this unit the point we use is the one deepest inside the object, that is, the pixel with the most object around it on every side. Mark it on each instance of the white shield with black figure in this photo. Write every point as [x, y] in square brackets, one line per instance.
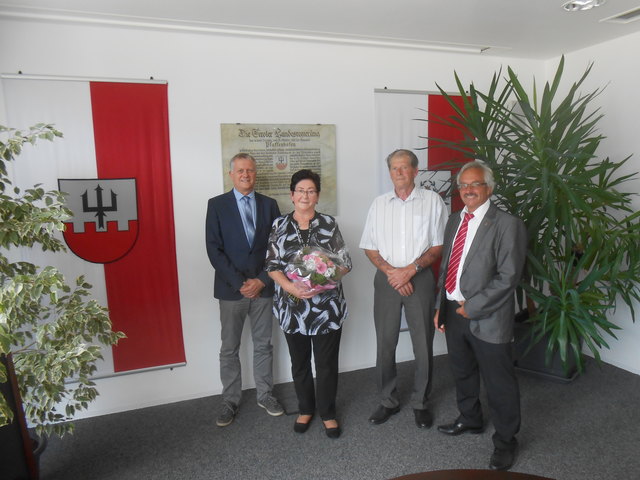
[104, 223]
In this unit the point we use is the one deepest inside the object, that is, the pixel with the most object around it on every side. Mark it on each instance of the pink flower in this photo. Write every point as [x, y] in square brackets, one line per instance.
[316, 269]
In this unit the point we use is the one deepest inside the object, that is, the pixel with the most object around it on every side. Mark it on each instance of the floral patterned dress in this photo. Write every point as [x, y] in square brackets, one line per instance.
[325, 311]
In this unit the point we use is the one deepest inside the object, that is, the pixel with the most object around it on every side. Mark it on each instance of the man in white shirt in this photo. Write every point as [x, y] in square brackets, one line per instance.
[402, 237]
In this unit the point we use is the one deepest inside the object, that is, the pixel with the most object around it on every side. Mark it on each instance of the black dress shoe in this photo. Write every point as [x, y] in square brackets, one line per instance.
[423, 418]
[502, 459]
[300, 427]
[382, 414]
[458, 427]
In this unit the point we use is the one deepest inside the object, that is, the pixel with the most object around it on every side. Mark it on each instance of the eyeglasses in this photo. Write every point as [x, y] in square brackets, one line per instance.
[309, 193]
[473, 184]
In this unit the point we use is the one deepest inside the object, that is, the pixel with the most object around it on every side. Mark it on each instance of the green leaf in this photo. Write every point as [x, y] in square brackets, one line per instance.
[583, 230]
[44, 320]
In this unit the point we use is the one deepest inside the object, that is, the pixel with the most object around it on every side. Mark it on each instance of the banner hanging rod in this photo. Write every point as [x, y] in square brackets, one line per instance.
[61, 78]
[394, 90]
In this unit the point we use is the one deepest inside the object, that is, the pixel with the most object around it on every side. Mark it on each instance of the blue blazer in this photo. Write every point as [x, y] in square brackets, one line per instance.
[229, 251]
[490, 274]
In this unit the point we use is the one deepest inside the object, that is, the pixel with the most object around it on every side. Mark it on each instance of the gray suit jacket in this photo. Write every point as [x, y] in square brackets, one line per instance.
[491, 271]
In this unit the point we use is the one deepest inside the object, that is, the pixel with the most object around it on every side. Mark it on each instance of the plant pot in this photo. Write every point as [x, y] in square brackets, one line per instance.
[18, 450]
[39, 446]
[530, 359]
[13, 464]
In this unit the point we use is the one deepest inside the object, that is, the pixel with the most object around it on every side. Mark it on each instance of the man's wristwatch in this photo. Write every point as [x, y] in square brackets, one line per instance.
[418, 267]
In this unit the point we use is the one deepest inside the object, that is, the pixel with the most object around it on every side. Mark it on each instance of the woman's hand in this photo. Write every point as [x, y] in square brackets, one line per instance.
[295, 289]
[298, 290]
[440, 328]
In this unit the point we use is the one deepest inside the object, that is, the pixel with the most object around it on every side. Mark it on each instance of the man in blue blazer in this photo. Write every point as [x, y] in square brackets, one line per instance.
[237, 230]
[483, 259]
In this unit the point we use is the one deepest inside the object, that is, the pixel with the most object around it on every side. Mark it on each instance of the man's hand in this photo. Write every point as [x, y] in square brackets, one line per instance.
[406, 289]
[398, 277]
[460, 310]
[251, 288]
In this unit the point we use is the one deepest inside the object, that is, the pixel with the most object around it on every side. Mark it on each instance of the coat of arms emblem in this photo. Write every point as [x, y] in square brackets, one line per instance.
[104, 223]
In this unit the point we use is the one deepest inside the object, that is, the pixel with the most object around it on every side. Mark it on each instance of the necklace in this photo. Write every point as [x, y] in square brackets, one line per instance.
[303, 238]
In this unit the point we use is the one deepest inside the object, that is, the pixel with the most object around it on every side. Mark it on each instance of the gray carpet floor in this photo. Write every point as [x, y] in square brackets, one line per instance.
[588, 429]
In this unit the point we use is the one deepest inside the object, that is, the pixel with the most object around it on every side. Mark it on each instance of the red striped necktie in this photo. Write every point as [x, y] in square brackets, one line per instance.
[456, 253]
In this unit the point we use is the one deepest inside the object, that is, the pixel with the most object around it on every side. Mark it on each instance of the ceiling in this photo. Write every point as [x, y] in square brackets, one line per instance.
[537, 29]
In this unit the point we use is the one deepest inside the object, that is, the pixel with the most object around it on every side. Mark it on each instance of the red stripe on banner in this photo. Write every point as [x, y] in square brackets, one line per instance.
[438, 109]
[131, 129]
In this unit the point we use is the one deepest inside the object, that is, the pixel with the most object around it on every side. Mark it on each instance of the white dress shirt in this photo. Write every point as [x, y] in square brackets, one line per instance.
[402, 230]
[474, 223]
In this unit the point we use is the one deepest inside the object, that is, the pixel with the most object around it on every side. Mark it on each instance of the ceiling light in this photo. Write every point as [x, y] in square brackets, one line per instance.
[579, 5]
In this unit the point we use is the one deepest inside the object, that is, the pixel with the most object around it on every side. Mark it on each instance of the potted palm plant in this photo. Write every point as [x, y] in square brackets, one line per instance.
[50, 331]
[583, 256]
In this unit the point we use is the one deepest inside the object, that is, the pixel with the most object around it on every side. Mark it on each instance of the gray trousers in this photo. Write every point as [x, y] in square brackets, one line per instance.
[419, 310]
[232, 317]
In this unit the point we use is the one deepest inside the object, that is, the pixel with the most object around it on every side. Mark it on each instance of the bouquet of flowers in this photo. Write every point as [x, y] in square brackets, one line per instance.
[316, 268]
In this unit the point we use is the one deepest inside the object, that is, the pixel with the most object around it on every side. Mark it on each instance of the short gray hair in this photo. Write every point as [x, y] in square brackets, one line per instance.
[488, 173]
[401, 152]
[240, 156]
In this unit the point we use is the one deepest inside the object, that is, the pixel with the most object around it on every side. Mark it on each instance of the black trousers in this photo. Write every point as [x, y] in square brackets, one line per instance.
[325, 349]
[472, 359]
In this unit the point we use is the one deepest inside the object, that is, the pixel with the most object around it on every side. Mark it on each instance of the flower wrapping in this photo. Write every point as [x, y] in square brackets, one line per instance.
[316, 268]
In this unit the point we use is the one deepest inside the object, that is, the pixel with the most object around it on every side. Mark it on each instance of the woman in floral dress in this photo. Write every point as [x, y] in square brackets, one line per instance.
[311, 320]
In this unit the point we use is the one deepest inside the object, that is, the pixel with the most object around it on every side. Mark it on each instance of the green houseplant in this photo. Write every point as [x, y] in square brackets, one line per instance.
[583, 256]
[49, 330]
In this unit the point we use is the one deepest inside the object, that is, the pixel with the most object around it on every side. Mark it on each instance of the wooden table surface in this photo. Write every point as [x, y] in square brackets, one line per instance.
[471, 475]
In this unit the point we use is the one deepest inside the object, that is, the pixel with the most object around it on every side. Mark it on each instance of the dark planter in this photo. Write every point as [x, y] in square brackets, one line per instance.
[17, 459]
[530, 359]
[39, 446]
[13, 463]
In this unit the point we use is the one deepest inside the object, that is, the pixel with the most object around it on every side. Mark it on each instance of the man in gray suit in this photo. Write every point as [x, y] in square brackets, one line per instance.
[483, 259]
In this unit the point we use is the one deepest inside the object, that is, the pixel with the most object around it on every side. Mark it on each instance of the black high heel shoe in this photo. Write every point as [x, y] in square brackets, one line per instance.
[300, 427]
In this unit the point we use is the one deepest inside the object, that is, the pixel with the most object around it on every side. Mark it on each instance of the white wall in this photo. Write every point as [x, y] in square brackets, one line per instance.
[616, 65]
[216, 79]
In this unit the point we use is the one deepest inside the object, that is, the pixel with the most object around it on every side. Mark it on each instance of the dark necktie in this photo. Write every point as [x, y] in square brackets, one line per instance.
[248, 216]
[456, 253]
